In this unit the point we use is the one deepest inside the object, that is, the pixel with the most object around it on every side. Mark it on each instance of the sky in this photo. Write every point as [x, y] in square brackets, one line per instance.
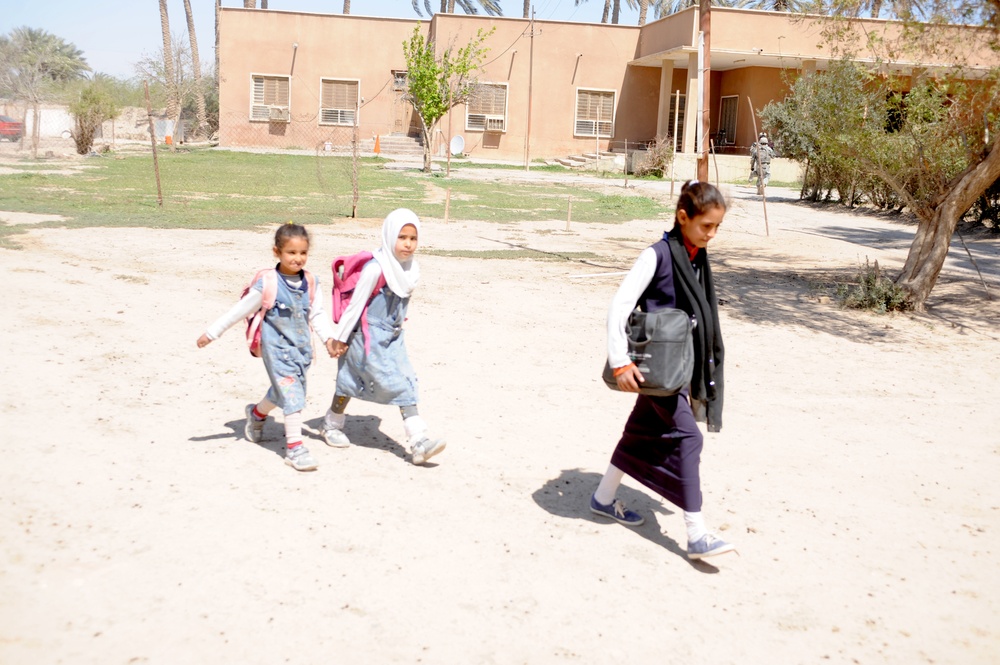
[116, 34]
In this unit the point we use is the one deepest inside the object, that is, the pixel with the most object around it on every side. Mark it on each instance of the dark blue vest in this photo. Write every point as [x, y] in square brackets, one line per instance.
[660, 293]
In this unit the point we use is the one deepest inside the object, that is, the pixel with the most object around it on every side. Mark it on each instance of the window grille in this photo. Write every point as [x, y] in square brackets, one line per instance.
[338, 102]
[486, 110]
[595, 113]
[269, 98]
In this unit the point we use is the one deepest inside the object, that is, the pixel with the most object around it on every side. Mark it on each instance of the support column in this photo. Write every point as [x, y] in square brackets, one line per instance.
[666, 98]
[691, 118]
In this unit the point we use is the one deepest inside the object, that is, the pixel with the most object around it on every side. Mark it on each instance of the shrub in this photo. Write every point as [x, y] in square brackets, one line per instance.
[656, 162]
[873, 292]
[94, 106]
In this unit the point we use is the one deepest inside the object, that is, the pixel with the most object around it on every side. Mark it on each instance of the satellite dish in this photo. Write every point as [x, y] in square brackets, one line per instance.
[457, 145]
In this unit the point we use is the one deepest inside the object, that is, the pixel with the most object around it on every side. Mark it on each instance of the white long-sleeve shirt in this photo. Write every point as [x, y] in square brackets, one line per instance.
[366, 284]
[632, 287]
[252, 302]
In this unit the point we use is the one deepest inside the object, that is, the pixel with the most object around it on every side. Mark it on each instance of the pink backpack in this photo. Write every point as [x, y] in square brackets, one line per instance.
[269, 294]
[346, 272]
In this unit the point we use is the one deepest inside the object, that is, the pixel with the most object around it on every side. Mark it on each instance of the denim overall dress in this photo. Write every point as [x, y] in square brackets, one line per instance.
[384, 375]
[286, 344]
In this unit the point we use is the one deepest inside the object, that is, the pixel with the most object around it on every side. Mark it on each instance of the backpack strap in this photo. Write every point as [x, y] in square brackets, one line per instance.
[269, 292]
[310, 285]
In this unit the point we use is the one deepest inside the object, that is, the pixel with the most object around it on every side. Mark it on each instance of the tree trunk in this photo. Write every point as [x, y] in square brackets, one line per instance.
[643, 8]
[218, 79]
[527, 8]
[426, 131]
[616, 12]
[607, 11]
[263, 4]
[199, 97]
[168, 70]
[347, 6]
[444, 7]
[36, 121]
[930, 244]
[249, 4]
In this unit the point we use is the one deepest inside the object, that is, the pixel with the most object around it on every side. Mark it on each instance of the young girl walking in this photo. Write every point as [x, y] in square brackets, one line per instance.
[373, 364]
[661, 445]
[286, 347]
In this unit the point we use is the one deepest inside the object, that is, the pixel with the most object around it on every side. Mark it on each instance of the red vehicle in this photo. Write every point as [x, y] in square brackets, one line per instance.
[10, 129]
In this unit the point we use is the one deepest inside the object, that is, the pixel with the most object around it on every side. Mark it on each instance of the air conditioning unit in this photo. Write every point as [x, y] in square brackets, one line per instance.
[495, 123]
[279, 114]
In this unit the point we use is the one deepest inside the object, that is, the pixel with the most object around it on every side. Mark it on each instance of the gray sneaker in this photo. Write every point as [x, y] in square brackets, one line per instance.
[425, 448]
[708, 545]
[336, 438]
[253, 430]
[300, 459]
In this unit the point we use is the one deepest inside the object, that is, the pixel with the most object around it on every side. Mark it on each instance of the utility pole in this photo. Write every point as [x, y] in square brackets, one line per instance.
[531, 69]
[705, 67]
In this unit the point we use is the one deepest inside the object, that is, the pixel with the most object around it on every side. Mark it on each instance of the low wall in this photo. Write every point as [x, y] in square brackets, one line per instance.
[731, 168]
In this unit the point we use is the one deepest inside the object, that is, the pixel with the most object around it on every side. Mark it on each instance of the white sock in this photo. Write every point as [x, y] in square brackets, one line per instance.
[334, 420]
[293, 427]
[415, 428]
[266, 406]
[606, 490]
[695, 526]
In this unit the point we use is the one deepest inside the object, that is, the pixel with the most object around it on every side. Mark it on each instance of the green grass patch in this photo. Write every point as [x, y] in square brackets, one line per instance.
[219, 189]
[511, 254]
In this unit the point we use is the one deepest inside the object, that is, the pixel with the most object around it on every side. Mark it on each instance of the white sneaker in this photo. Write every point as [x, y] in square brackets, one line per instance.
[336, 438]
[253, 429]
[300, 459]
[425, 448]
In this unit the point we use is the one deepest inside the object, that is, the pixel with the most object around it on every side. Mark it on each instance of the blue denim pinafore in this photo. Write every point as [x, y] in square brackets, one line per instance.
[286, 344]
[385, 375]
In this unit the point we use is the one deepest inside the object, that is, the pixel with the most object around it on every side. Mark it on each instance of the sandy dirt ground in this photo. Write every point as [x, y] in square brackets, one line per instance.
[856, 470]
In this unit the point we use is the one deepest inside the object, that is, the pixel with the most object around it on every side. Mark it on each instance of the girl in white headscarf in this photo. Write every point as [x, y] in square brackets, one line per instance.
[373, 364]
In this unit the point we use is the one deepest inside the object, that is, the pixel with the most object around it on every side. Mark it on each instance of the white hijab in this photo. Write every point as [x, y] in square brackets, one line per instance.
[402, 278]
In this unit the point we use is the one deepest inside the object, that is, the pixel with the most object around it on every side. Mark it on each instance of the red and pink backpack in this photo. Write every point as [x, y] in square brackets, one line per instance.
[269, 294]
[346, 272]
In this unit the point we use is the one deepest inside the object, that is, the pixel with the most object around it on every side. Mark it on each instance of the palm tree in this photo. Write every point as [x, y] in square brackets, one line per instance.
[33, 60]
[491, 7]
[250, 4]
[607, 9]
[347, 6]
[196, 69]
[173, 111]
[643, 8]
[527, 8]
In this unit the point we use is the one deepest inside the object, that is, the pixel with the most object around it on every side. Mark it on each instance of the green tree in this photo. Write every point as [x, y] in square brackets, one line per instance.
[93, 106]
[437, 83]
[936, 147]
[34, 64]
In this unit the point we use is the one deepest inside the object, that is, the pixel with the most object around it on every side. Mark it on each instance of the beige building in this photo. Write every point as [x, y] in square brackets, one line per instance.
[301, 80]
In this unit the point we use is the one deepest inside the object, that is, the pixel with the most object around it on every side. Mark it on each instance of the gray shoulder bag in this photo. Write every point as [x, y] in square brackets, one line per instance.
[661, 346]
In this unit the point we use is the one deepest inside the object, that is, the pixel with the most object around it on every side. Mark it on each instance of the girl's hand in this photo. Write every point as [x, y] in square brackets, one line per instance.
[203, 341]
[629, 379]
[336, 348]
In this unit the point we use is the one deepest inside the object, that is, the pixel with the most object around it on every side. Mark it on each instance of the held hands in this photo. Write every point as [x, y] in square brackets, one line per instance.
[629, 377]
[203, 341]
[336, 348]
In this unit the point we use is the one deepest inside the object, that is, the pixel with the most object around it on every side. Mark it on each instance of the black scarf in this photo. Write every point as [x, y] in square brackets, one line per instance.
[695, 292]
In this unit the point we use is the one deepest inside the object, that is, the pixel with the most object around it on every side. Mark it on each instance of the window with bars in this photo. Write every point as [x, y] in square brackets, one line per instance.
[595, 113]
[486, 110]
[727, 120]
[269, 98]
[338, 101]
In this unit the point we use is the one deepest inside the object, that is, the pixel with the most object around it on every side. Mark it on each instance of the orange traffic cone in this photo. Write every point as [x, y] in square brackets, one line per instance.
[377, 148]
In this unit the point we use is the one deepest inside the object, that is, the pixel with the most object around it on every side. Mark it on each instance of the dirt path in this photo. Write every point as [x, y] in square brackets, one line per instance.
[856, 472]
